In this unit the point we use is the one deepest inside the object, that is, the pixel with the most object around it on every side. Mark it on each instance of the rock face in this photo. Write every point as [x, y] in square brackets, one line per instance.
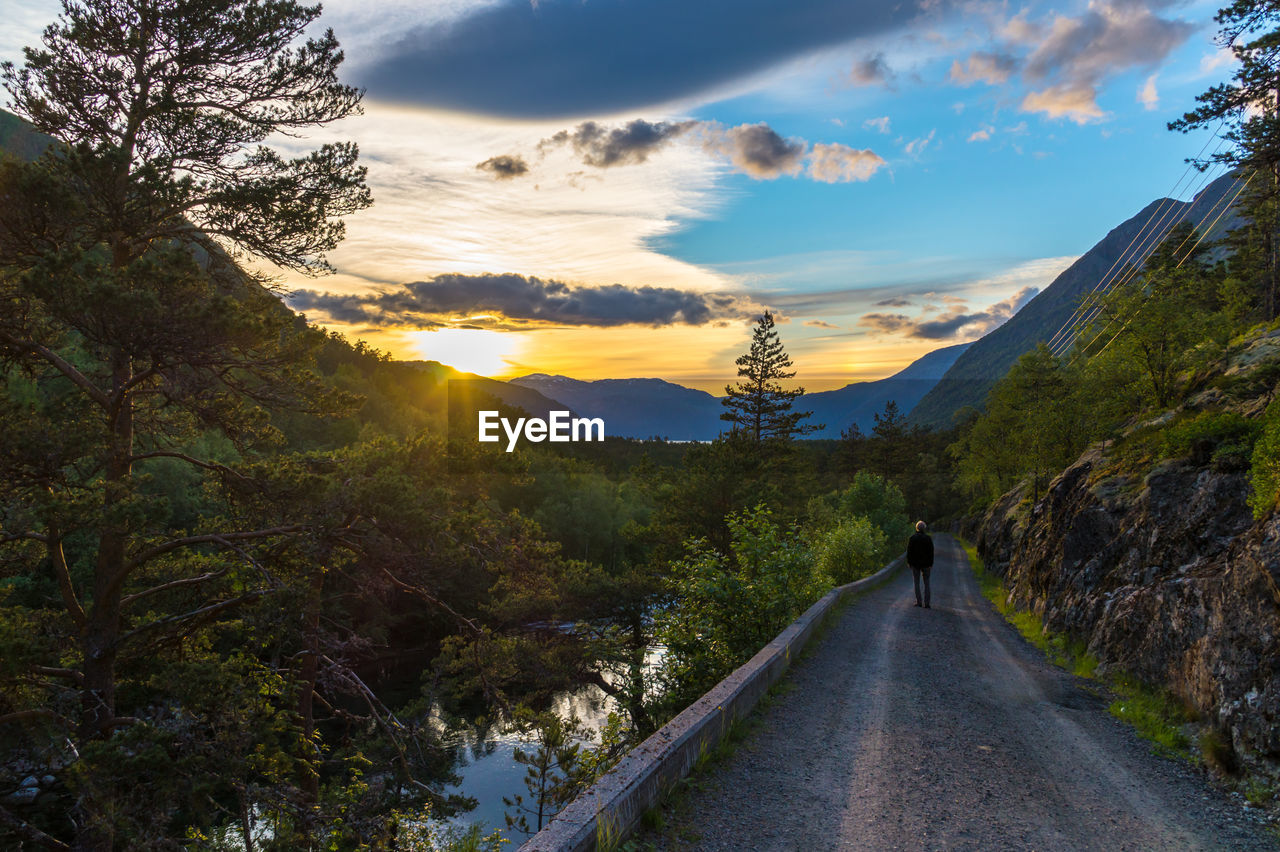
[1166, 576]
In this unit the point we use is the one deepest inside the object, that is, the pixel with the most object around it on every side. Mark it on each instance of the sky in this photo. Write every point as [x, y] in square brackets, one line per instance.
[618, 188]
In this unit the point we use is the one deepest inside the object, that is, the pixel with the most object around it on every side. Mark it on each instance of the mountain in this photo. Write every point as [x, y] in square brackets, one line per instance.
[635, 408]
[858, 403]
[468, 392]
[988, 359]
[643, 408]
[19, 138]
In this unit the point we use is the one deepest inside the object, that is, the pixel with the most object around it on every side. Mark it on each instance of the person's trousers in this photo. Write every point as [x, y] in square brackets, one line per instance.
[915, 575]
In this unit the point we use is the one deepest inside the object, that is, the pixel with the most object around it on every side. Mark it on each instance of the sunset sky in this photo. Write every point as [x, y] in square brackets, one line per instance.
[615, 188]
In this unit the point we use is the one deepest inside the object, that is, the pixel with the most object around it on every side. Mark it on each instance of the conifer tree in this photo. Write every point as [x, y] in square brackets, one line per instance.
[1248, 110]
[758, 404]
[138, 341]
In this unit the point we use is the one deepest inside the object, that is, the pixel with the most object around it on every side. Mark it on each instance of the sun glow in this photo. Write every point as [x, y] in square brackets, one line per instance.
[471, 350]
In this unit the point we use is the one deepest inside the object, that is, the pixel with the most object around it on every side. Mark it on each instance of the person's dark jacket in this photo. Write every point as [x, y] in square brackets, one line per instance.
[920, 550]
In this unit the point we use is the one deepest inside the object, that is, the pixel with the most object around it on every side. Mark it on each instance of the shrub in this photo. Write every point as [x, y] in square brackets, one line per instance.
[852, 549]
[881, 503]
[1225, 431]
[1264, 468]
[727, 606]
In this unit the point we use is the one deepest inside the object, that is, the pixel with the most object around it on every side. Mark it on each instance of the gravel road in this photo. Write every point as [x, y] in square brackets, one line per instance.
[942, 728]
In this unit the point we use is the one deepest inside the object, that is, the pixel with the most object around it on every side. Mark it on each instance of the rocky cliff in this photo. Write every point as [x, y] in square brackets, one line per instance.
[1160, 567]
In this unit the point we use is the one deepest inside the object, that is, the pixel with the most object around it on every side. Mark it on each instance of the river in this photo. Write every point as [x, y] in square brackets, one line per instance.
[487, 765]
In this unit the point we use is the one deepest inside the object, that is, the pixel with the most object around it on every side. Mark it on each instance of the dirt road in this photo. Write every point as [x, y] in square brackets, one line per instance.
[942, 728]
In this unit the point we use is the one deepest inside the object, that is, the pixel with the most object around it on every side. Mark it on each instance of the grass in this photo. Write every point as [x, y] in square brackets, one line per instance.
[1155, 714]
[1061, 651]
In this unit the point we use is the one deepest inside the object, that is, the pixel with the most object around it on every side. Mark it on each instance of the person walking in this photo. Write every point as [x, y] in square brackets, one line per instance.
[920, 558]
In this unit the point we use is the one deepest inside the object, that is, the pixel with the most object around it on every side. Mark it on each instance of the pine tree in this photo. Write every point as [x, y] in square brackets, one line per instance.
[758, 405]
[1248, 109]
[137, 334]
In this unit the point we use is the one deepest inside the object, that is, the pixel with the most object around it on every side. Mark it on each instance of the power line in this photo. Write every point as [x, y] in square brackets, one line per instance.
[1226, 205]
[1169, 201]
[1151, 296]
[1090, 306]
[1081, 318]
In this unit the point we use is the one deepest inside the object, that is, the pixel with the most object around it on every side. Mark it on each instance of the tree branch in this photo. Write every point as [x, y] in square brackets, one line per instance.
[191, 460]
[203, 612]
[208, 538]
[69, 674]
[34, 713]
[174, 584]
[6, 537]
[63, 366]
[62, 573]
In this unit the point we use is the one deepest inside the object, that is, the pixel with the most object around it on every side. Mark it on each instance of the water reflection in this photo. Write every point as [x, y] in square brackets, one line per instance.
[486, 760]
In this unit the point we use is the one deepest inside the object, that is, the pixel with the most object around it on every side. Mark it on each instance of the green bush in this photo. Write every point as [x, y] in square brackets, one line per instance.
[852, 549]
[1264, 468]
[1227, 431]
[880, 502]
[725, 607]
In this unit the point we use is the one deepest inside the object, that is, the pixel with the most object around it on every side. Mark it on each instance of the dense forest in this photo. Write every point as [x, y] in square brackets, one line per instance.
[248, 575]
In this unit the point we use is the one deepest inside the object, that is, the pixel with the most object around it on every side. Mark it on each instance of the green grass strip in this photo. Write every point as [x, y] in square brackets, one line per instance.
[1155, 714]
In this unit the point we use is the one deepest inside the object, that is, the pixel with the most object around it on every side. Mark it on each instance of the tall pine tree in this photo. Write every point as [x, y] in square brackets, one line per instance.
[141, 345]
[1248, 111]
[758, 404]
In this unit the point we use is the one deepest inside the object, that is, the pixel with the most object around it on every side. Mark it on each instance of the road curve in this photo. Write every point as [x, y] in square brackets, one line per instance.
[942, 728]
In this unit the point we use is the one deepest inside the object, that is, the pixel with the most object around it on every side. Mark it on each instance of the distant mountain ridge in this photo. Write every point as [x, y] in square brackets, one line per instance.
[645, 408]
[635, 408]
[988, 359]
[858, 403]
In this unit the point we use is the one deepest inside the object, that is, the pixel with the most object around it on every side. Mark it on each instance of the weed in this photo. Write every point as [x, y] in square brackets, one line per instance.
[1217, 752]
[608, 833]
[1157, 716]
[1259, 792]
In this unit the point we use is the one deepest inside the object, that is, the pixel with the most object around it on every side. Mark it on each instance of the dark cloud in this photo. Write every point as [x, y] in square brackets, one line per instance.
[630, 144]
[423, 304]
[871, 71]
[504, 166]
[757, 150]
[957, 321]
[570, 58]
[893, 302]
[885, 323]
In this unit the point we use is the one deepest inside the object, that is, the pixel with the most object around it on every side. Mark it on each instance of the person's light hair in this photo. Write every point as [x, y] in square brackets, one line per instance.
[920, 526]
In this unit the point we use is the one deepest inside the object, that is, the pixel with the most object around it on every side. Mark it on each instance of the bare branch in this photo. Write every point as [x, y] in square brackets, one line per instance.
[423, 594]
[208, 538]
[62, 572]
[174, 584]
[63, 366]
